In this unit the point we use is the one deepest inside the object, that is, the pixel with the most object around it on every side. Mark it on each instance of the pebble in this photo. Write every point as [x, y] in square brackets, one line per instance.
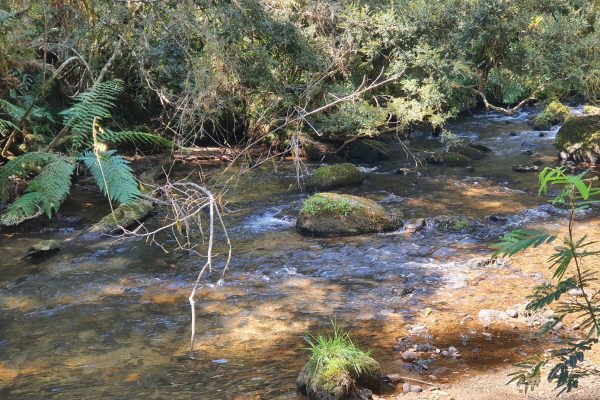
[407, 388]
[410, 355]
[512, 313]
[221, 361]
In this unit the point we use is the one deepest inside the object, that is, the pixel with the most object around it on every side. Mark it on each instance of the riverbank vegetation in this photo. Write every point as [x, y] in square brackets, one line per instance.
[89, 88]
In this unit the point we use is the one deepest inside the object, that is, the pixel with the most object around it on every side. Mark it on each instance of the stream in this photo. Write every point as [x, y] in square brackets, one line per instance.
[112, 320]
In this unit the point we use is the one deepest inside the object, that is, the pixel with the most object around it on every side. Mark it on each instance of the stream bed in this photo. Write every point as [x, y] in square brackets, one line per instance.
[111, 319]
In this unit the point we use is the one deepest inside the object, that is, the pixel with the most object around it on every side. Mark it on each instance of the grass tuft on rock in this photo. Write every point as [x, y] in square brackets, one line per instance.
[337, 365]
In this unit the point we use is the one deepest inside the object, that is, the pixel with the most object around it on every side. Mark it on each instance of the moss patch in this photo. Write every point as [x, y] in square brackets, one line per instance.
[329, 214]
[579, 138]
[591, 110]
[126, 215]
[553, 114]
[449, 159]
[450, 223]
[368, 151]
[334, 176]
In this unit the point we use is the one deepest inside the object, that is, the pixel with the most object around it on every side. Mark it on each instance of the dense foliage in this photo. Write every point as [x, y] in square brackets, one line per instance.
[239, 69]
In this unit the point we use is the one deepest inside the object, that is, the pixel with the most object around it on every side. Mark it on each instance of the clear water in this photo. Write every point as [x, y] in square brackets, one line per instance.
[111, 320]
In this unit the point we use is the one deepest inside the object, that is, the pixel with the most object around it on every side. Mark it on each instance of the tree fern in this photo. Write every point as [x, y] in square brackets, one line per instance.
[22, 167]
[122, 185]
[142, 139]
[44, 193]
[97, 102]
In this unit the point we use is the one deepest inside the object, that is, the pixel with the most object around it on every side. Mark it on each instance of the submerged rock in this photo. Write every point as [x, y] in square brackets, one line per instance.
[470, 152]
[480, 147]
[579, 139]
[126, 216]
[334, 176]
[453, 223]
[44, 248]
[330, 214]
[368, 151]
[449, 159]
[553, 114]
[525, 168]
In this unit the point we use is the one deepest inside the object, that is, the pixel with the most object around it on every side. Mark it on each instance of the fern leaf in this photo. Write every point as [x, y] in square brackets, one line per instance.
[22, 167]
[44, 194]
[97, 102]
[121, 185]
[521, 239]
[142, 139]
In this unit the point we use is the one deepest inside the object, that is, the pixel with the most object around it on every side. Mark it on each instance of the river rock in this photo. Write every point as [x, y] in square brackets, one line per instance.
[470, 152]
[488, 317]
[126, 216]
[453, 223]
[44, 248]
[525, 168]
[591, 110]
[410, 355]
[338, 383]
[330, 214]
[335, 176]
[553, 114]
[579, 139]
[449, 159]
[368, 151]
[480, 147]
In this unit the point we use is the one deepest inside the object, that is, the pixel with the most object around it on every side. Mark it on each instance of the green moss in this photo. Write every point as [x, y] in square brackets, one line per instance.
[451, 223]
[553, 114]
[333, 176]
[579, 131]
[450, 159]
[591, 110]
[368, 151]
[126, 215]
[470, 152]
[323, 202]
[326, 214]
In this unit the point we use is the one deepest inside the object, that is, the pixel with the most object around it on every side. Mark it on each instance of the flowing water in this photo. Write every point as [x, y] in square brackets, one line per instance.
[111, 320]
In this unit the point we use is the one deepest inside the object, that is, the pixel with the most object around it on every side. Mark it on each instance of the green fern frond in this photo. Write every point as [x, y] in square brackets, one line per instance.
[142, 139]
[22, 167]
[6, 126]
[96, 102]
[45, 193]
[521, 239]
[15, 113]
[122, 185]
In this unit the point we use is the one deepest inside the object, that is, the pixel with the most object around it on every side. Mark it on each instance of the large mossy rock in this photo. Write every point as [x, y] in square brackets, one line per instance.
[591, 110]
[553, 114]
[334, 176]
[368, 151]
[449, 159]
[579, 139]
[126, 216]
[330, 214]
[470, 152]
[335, 381]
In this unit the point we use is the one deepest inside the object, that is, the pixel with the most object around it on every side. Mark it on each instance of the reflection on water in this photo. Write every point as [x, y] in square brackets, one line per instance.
[112, 320]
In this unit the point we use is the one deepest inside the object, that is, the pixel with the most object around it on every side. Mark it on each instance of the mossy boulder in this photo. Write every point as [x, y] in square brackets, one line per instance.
[126, 216]
[449, 159]
[579, 139]
[334, 176]
[44, 248]
[453, 223]
[553, 114]
[591, 110]
[331, 214]
[470, 152]
[368, 151]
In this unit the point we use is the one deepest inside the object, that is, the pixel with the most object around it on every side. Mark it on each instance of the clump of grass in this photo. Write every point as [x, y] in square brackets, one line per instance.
[319, 202]
[336, 363]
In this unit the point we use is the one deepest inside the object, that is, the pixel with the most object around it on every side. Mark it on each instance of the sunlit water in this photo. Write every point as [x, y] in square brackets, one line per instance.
[111, 320]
